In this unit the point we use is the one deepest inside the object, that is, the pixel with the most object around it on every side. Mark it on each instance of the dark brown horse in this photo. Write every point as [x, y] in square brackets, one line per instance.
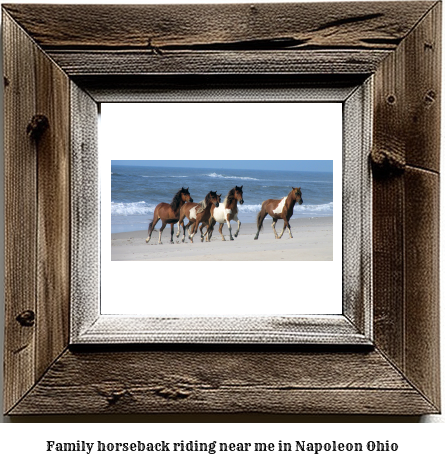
[197, 213]
[279, 210]
[226, 212]
[169, 213]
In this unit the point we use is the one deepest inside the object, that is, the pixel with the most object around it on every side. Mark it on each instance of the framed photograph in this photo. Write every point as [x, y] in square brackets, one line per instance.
[303, 138]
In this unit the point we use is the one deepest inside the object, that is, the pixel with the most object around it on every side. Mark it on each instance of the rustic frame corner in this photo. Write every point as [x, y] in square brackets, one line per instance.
[54, 65]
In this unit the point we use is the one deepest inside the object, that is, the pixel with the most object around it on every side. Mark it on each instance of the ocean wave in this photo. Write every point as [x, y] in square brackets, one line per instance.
[216, 175]
[249, 208]
[143, 176]
[325, 207]
[306, 209]
[132, 208]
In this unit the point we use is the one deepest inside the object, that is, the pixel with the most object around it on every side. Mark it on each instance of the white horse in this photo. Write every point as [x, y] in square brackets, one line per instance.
[226, 212]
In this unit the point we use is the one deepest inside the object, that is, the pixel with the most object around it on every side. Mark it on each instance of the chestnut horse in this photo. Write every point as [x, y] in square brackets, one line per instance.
[226, 212]
[169, 213]
[279, 210]
[197, 213]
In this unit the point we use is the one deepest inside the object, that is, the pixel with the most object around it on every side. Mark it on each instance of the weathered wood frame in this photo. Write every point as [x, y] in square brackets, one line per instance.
[90, 323]
[100, 50]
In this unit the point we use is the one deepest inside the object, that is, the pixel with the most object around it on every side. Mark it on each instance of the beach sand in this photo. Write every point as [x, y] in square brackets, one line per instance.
[312, 240]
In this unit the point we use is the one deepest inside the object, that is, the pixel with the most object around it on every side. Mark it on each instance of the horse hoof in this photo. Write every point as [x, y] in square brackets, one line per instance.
[255, 238]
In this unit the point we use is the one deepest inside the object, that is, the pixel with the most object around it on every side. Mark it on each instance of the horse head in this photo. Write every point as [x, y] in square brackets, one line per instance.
[185, 195]
[214, 198]
[239, 194]
[297, 193]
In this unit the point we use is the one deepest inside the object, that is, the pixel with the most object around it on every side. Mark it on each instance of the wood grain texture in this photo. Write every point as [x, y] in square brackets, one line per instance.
[142, 88]
[223, 382]
[20, 212]
[100, 63]
[342, 25]
[399, 42]
[407, 114]
[389, 143]
[388, 268]
[423, 91]
[422, 364]
[53, 232]
[406, 240]
[108, 329]
[357, 209]
[85, 211]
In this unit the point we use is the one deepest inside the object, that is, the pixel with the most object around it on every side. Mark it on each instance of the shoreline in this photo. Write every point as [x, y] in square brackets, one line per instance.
[312, 241]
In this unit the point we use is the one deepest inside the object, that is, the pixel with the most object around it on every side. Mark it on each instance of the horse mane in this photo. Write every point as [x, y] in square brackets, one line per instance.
[230, 197]
[203, 204]
[176, 200]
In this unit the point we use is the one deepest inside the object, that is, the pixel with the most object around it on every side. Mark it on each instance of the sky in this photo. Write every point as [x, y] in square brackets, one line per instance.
[281, 165]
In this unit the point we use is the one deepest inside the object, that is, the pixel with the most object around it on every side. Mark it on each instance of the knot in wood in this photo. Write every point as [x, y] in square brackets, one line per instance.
[26, 318]
[172, 393]
[115, 396]
[430, 97]
[387, 162]
[37, 126]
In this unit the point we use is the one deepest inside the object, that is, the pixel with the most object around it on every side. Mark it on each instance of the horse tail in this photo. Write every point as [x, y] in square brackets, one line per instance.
[151, 226]
[260, 217]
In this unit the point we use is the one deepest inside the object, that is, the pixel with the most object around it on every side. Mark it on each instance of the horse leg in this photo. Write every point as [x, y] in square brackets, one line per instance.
[181, 221]
[274, 222]
[191, 230]
[194, 229]
[220, 231]
[206, 234]
[151, 227]
[184, 228]
[230, 229]
[239, 226]
[172, 232]
[210, 227]
[160, 231]
[284, 229]
[288, 227]
[202, 234]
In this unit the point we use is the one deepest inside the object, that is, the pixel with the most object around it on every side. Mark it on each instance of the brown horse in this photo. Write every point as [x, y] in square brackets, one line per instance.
[169, 213]
[226, 212]
[197, 213]
[279, 210]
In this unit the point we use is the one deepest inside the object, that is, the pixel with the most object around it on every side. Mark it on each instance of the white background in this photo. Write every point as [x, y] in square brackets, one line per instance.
[25, 443]
[220, 131]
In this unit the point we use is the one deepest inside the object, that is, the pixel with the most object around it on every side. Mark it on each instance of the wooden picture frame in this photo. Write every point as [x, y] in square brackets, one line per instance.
[59, 67]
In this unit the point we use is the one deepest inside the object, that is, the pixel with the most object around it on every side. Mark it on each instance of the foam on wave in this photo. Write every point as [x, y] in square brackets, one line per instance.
[132, 208]
[216, 175]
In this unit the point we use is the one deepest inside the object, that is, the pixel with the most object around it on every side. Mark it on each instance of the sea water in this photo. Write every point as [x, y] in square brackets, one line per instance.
[136, 190]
